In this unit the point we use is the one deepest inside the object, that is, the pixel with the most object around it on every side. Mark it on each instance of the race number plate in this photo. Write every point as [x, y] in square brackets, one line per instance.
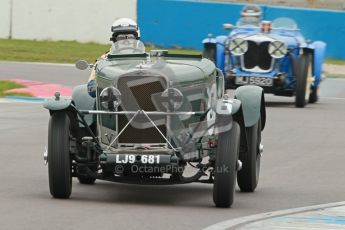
[141, 159]
[260, 81]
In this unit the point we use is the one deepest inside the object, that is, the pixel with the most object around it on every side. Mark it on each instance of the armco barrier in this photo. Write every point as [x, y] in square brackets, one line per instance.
[4, 19]
[185, 23]
[81, 20]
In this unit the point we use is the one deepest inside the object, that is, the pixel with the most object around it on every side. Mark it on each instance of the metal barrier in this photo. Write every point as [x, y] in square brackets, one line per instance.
[177, 23]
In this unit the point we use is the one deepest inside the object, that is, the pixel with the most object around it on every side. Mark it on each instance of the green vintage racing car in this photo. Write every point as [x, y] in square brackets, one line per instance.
[156, 115]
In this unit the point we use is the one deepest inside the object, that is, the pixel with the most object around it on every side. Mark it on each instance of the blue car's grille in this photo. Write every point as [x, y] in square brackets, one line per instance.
[257, 55]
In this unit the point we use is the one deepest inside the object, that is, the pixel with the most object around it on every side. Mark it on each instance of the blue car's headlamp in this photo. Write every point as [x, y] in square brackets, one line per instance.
[238, 46]
[277, 49]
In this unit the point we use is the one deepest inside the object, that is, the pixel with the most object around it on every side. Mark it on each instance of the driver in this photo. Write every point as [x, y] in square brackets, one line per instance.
[251, 15]
[122, 29]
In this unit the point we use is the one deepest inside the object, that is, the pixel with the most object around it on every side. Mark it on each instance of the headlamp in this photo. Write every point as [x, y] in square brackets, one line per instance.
[110, 98]
[277, 49]
[238, 46]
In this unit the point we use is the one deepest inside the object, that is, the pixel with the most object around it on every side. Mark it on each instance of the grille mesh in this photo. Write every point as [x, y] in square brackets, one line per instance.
[141, 93]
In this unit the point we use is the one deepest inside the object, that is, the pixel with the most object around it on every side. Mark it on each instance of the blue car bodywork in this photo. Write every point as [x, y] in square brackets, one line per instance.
[257, 66]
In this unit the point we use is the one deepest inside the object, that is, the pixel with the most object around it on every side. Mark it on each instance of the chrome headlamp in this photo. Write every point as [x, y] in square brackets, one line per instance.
[238, 46]
[172, 99]
[110, 98]
[277, 49]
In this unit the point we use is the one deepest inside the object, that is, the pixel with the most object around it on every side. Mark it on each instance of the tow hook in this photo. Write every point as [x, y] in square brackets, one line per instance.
[45, 156]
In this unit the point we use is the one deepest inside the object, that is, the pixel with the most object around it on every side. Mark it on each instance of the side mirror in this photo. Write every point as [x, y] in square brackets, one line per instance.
[82, 65]
[228, 26]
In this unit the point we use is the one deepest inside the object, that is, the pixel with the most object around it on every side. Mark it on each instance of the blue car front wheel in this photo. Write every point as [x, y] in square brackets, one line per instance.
[303, 80]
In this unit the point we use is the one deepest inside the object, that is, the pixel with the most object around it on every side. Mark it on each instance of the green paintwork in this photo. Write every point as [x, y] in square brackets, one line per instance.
[191, 75]
[250, 97]
[236, 105]
[83, 101]
[180, 71]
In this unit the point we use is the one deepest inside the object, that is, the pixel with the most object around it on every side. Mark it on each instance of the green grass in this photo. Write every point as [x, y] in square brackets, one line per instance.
[7, 85]
[58, 51]
[71, 51]
[335, 61]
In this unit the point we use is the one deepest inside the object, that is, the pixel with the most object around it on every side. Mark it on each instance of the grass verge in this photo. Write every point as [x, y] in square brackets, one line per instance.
[7, 85]
[334, 61]
[71, 51]
[58, 51]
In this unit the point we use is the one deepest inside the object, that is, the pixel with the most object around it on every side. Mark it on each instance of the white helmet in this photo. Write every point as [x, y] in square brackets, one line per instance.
[124, 26]
[251, 10]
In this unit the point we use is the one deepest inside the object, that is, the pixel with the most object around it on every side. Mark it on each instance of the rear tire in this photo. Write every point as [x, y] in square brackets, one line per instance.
[59, 160]
[225, 166]
[303, 80]
[248, 176]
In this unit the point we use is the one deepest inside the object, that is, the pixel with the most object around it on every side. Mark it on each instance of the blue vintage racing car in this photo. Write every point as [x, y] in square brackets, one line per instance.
[273, 55]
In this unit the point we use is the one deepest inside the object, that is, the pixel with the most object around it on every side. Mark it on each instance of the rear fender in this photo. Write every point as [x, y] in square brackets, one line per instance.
[318, 50]
[319, 55]
[253, 104]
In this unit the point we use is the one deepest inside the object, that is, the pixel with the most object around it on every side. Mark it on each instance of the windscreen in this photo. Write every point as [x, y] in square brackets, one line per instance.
[127, 46]
[284, 23]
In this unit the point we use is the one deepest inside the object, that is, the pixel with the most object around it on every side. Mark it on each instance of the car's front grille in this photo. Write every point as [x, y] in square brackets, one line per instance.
[136, 93]
[257, 55]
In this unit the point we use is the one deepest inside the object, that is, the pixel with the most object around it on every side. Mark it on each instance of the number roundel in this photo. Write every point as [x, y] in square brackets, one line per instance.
[211, 115]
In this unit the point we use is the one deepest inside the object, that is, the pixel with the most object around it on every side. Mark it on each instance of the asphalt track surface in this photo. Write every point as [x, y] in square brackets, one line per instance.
[303, 164]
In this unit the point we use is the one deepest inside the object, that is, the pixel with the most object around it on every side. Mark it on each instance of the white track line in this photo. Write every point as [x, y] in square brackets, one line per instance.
[238, 222]
[333, 98]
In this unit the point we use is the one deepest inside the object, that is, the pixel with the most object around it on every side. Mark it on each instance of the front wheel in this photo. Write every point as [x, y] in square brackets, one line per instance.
[225, 166]
[248, 176]
[59, 160]
[303, 80]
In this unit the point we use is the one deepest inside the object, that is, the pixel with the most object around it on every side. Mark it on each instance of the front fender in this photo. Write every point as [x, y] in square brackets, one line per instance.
[56, 104]
[253, 104]
[83, 101]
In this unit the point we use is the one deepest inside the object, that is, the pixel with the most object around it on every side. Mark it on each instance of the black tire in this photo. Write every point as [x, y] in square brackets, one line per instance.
[59, 160]
[313, 97]
[210, 52]
[302, 84]
[248, 176]
[225, 166]
[85, 179]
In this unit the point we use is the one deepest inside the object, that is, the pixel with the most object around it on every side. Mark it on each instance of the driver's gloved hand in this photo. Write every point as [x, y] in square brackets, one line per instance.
[91, 88]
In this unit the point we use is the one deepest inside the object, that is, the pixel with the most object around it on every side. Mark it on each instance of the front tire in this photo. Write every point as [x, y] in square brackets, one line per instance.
[248, 176]
[59, 160]
[303, 80]
[225, 166]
